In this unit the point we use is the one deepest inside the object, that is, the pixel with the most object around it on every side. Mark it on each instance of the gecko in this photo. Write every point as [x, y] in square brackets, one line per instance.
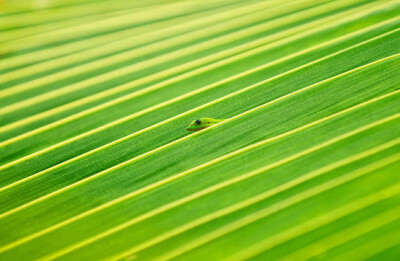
[202, 123]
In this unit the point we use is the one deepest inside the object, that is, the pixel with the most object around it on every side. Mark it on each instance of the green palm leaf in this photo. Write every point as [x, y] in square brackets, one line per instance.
[96, 162]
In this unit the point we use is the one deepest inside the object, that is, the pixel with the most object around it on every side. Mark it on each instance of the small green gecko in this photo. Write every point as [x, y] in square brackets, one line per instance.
[202, 123]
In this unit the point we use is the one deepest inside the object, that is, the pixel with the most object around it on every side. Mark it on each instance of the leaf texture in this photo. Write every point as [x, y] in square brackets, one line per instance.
[96, 163]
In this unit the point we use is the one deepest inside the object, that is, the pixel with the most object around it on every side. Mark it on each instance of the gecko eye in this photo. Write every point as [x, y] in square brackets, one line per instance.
[198, 121]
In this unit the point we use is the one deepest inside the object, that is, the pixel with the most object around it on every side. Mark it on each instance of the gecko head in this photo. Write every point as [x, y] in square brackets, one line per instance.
[197, 125]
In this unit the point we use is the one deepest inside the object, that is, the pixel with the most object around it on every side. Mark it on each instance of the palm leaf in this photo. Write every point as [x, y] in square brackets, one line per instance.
[96, 162]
